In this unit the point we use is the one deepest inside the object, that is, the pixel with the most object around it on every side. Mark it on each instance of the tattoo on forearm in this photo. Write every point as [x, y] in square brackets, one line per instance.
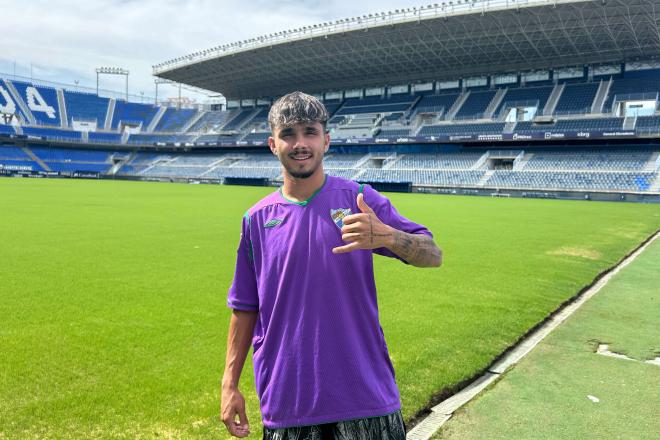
[417, 249]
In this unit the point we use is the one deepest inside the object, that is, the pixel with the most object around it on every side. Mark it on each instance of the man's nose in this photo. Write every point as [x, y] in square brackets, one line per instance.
[300, 140]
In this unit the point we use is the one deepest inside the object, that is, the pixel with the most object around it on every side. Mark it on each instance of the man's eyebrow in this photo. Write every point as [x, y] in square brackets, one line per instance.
[286, 131]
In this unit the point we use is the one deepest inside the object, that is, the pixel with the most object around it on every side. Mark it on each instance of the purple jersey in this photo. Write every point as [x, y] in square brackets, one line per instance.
[319, 351]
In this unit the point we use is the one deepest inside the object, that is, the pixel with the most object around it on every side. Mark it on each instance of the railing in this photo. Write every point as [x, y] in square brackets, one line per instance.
[579, 112]
[78, 88]
[650, 96]
[473, 116]
[507, 105]
[405, 15]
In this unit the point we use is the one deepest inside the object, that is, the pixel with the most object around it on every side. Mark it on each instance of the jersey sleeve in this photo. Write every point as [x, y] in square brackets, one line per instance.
[243, 291]
[388, 214]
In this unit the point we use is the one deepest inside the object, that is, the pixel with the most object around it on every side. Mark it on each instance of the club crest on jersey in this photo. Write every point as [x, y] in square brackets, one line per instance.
[338, 216]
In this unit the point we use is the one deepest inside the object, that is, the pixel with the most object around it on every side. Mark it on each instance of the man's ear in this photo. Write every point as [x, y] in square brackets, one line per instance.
[327, 142]
[271, 145]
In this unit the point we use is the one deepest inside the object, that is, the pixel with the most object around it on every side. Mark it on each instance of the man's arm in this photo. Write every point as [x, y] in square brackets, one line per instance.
[417, 249]
[366, 231]
[241, 328]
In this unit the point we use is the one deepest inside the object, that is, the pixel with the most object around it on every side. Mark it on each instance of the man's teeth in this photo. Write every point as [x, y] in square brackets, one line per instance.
[302, 156]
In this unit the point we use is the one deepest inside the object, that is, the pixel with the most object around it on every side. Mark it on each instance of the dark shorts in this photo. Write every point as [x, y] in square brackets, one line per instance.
[388, 427]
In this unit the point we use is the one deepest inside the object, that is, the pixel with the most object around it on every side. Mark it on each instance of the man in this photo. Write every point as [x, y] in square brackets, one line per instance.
[304, 295]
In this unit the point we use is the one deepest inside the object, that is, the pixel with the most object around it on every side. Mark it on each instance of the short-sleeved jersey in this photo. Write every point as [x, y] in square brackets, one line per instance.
[319, 350]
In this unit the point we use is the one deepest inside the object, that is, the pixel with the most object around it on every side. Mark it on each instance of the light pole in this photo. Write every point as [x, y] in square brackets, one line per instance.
[111, 71]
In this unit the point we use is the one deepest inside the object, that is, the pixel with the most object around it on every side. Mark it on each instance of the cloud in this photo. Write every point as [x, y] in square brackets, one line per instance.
[65, 40]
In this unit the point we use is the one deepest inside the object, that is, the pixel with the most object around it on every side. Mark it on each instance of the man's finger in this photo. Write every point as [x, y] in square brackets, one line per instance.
[353, 227]
[351, 237]
[363, 205]
[349, 219]
[346, 248]
[240, 428]
[243, 420]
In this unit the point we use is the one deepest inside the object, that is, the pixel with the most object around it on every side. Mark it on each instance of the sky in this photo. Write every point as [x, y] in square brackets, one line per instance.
[64, 41]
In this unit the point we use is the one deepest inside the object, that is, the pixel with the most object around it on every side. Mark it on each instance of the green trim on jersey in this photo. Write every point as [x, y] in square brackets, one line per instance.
[305, 202]
[361, 188]
[247, 217]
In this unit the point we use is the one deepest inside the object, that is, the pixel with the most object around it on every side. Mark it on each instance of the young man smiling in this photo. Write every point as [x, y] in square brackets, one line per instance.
[304, 295]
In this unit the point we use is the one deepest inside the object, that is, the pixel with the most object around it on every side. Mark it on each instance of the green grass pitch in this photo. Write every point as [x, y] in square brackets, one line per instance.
[113, 320]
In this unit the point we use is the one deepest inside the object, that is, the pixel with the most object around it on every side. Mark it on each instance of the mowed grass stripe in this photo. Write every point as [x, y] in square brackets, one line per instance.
[113, 297]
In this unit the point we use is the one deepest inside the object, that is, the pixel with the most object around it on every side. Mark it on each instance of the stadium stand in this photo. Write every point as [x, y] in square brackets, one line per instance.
[133, 113]
[174, 120]
[475, 105]
[409, 117]
[576, 98]
[42, 102]
[86, 107]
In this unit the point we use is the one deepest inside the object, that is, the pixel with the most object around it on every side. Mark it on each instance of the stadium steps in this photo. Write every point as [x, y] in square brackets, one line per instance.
[495, 102]
[114, 169]
[509, 127]
[655, 186]
[412, 111]
[484, 179]
[362, 161]
[157, 117]
[107, 125]
[479, 164]
[120, 164]
[517, 166]
[229, 118]
[64, 120]
[391, 160]
[653, 164]
[124, 137]
[84, 136]
[457, 106]
[601, 96]
[629, 122]
[20, 102]
[158, 162]
[193, 121]
[357, 175]
[247, 120]
[34, 157]
[18, 129]
[554, 98]
[214, 165]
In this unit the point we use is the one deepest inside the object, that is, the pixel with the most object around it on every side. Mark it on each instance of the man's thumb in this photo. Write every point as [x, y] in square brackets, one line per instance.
[363, 205]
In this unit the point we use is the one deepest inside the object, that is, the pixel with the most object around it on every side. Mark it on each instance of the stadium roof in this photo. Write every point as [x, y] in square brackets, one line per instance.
[437, 42]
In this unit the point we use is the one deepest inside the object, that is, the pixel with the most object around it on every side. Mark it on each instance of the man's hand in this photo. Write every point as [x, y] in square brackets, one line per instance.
[364, 230]
[233, 404]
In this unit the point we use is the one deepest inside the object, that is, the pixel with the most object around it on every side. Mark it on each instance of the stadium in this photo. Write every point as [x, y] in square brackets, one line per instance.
[515, 100]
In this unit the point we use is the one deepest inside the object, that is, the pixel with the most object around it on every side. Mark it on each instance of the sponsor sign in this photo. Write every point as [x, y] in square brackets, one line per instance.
[490, 137]
[461, 137]
[618, 133]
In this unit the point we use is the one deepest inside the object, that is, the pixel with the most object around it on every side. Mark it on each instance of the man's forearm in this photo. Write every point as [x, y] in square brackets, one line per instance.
[241, 328]
[417, 249]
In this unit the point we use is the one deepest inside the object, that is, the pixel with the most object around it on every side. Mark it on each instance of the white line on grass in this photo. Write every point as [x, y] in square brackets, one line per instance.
[445, 409]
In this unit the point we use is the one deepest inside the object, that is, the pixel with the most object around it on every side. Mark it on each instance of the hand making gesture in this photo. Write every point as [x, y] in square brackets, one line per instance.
[364, 230]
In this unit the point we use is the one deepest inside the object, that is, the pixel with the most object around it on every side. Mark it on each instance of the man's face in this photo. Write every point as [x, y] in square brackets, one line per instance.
[300, 148]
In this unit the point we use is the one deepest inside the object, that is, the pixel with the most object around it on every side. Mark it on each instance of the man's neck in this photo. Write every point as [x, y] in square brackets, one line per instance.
[300, 190]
